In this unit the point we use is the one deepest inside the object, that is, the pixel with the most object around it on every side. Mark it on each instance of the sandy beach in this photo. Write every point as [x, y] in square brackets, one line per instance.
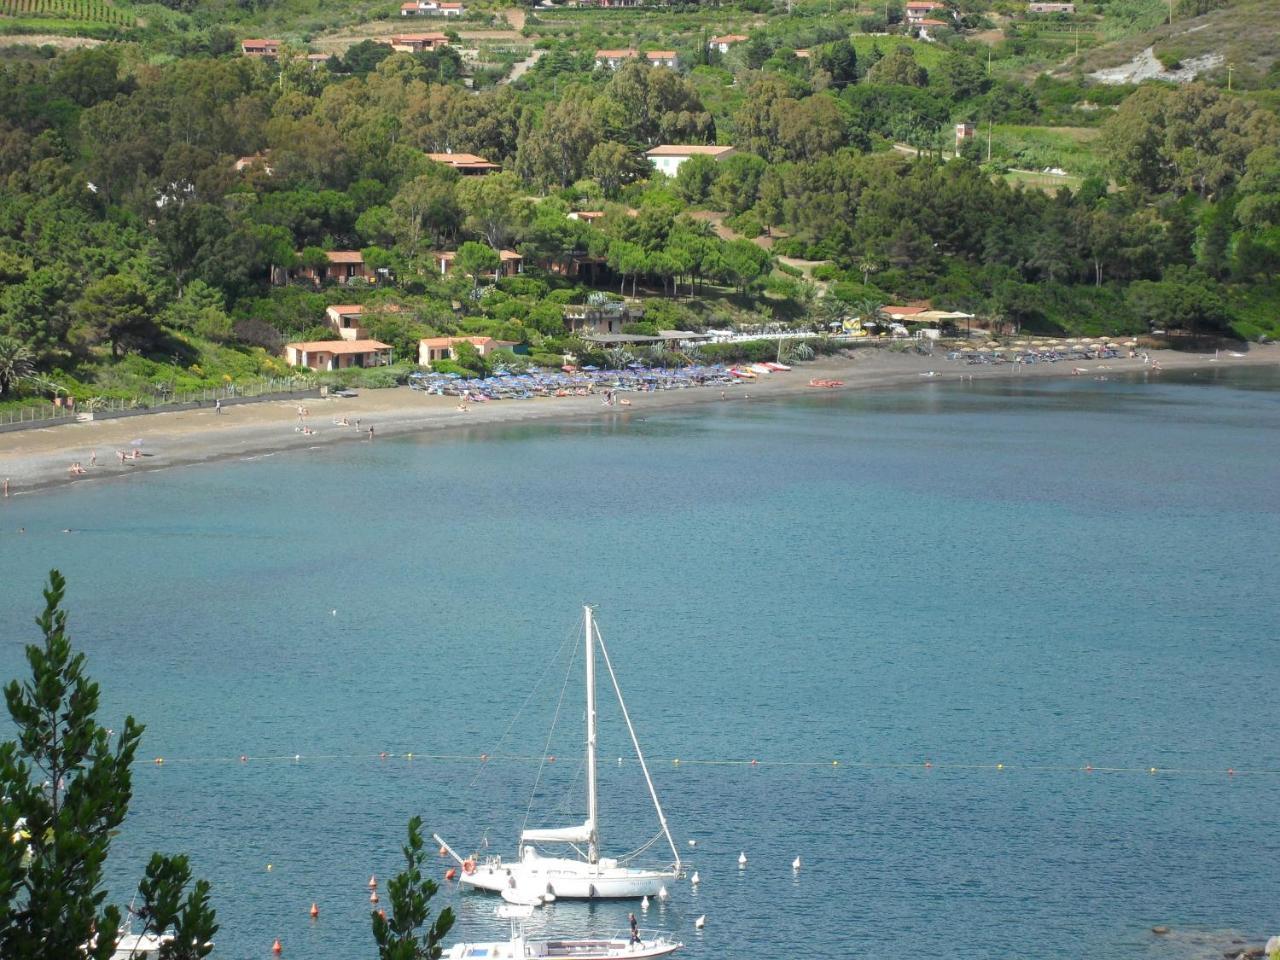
[38, 458]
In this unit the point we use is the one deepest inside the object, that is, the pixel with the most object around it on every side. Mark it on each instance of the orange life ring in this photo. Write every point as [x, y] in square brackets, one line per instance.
[468, 866]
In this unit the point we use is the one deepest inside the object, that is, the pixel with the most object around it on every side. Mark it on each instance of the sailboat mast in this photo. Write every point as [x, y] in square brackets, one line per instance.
[593, 844]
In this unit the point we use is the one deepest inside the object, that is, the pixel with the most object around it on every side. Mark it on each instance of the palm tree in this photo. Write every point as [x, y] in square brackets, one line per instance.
[869, 311]
[832, 310]
[16, 362]
[789, 350]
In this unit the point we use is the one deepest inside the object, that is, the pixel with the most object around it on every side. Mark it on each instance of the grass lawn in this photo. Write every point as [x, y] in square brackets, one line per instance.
[1034, 148]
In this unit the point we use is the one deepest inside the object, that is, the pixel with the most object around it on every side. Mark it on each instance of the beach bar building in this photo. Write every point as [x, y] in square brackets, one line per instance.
[337, 354]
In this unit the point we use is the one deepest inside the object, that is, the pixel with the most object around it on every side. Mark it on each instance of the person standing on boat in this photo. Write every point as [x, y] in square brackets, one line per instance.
[635, 929]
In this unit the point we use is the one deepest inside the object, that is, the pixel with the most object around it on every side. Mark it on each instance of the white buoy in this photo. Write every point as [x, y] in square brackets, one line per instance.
[333, 613]
[373, 882]
[693, 843]
[662, 893]
[695, 879]
[742, 859]
[700, 922]
[795, 864]
[644, 904]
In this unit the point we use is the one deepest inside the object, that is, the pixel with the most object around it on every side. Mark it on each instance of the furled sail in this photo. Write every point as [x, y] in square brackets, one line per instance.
[578, 834]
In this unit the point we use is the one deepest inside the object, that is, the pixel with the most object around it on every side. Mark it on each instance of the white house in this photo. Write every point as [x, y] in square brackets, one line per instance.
[918, 11]
[613, 59]
[431, 8]
[663, 58]
[668, 157]
[722, 44]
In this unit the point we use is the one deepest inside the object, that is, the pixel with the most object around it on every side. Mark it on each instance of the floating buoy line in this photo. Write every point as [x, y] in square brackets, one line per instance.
[677, 762]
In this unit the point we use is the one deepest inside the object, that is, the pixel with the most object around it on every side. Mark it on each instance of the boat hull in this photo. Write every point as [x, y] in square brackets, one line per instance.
[575, 949]
[567, 879]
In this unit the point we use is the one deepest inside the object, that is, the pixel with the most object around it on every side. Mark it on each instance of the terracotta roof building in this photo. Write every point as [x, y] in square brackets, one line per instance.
[337, 354]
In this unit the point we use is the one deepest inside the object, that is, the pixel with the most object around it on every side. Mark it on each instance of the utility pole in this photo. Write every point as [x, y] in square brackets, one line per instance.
[1077, 41]
[988, 139]
[1230, 70]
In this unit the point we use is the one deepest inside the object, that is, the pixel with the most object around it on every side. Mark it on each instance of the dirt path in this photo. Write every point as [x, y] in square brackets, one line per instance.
[515, 17]
[524, 66]
[48, 40]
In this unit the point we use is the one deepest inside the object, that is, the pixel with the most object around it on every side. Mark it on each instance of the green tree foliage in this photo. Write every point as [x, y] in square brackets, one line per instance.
[695, 177]
[16, 361]
[64, 790]
[650, 105]
[89, 76]
[406, 934]
[1187, 139]
[475, 260]
[118, 310]
[613, 165]
[900, 68]
[492, 205]
[1184, 300]
[427, 207]
[839, 60]
[554, 148]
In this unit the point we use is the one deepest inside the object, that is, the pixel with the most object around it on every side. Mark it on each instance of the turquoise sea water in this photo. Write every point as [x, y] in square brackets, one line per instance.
[1047, 575]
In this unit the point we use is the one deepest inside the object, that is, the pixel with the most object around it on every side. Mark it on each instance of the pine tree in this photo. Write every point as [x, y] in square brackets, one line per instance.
[398, 938]
[64, 789]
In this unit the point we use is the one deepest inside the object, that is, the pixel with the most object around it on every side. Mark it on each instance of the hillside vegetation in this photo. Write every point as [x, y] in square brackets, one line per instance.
[171, 207]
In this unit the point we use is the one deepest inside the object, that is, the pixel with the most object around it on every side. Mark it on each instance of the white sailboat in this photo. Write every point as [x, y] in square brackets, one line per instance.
[639, 946]
[589, 875]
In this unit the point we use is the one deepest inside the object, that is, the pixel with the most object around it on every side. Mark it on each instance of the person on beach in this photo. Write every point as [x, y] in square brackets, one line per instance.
[93, 458]
[6, 486]
[120, 457]
[370, 433]
[217, 406]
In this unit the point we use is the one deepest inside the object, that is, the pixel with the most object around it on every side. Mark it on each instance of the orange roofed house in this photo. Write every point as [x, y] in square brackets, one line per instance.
[468, 164]
[337, 354]
[918, 11]
[267, 49]
[431, 349]
[722, 44]
[613, 59]
[345, 318]
[667, 157]
[417, 42]
[509, 262]
[343, 266]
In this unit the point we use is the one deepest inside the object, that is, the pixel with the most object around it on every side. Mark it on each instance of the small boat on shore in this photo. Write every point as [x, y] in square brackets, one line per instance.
[519, 947]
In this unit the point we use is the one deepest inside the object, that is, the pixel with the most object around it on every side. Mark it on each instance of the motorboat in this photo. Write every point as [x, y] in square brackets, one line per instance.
[589, 875]
[520, 947]
[140, 946]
